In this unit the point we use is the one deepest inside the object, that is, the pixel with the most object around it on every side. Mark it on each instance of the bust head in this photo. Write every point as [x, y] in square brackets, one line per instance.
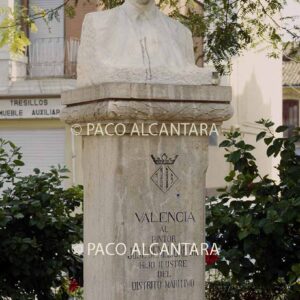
[140, 2]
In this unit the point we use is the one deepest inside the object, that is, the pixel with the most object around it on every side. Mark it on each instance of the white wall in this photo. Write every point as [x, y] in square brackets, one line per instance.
[256, 83]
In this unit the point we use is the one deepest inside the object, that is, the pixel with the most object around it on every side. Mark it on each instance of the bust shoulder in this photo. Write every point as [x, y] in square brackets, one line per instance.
[176, 26]
[100, 16]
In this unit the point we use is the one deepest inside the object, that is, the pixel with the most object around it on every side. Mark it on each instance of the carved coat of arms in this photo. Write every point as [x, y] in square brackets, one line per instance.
[164, 177]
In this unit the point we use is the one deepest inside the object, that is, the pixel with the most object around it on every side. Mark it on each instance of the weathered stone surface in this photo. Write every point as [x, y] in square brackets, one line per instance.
[135, 42]
[126, 101]
[153, 92]
[146, 110]
[118, 187]
[127, 191]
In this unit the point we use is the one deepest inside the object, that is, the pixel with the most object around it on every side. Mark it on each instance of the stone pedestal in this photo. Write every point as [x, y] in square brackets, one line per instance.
[144, 189]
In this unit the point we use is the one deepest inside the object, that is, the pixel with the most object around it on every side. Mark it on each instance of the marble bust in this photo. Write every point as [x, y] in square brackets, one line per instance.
[135, 42]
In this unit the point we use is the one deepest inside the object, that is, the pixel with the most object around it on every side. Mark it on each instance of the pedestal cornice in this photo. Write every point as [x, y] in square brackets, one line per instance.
[147, 102]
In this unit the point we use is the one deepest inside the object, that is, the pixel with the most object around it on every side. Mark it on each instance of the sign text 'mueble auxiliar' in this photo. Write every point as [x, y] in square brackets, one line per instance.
[30, 108]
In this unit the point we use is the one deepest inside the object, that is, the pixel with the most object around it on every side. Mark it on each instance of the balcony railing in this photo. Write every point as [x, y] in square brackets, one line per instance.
[53, 57]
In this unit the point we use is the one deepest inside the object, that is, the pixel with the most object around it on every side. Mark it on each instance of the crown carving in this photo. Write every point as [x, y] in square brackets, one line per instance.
[164, 159]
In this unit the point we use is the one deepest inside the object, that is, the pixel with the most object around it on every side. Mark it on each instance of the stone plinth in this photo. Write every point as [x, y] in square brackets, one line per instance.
[144, 189]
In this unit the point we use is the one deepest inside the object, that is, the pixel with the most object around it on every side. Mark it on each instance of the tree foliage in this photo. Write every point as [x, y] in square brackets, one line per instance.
[38, 226]
[227, 27]
[256, 220]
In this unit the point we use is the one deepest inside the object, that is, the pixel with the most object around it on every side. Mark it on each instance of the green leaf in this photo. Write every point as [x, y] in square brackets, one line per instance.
[269, 227]
[240, 144]
[235, 266]
[234, 156]
[296, 269]
[223, 267]
[249, 147]
[19, 216]
[272, 215]
[243, 234]
[33, 27]
[269, 140]
[36, 171]
[230, 177]
[271, 150]
[248, 155]
[269, 124]
[12, 145]
[18, 163]
[236, 134]
[281, 128]
[225, 143]
[260, 136]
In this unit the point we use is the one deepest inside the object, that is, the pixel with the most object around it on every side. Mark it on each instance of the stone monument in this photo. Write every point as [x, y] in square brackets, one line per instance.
[144, 110]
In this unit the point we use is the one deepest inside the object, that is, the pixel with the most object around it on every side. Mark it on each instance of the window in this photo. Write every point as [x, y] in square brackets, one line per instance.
[47, 49]
[290, 115]
[54, 47]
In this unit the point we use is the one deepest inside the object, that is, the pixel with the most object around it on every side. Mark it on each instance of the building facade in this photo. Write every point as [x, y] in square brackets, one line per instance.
[31, 87]
[291, 95]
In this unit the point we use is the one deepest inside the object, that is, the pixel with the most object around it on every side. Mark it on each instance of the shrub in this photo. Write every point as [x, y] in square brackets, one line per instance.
[38, 226]
[256, 219]
[224, 290]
